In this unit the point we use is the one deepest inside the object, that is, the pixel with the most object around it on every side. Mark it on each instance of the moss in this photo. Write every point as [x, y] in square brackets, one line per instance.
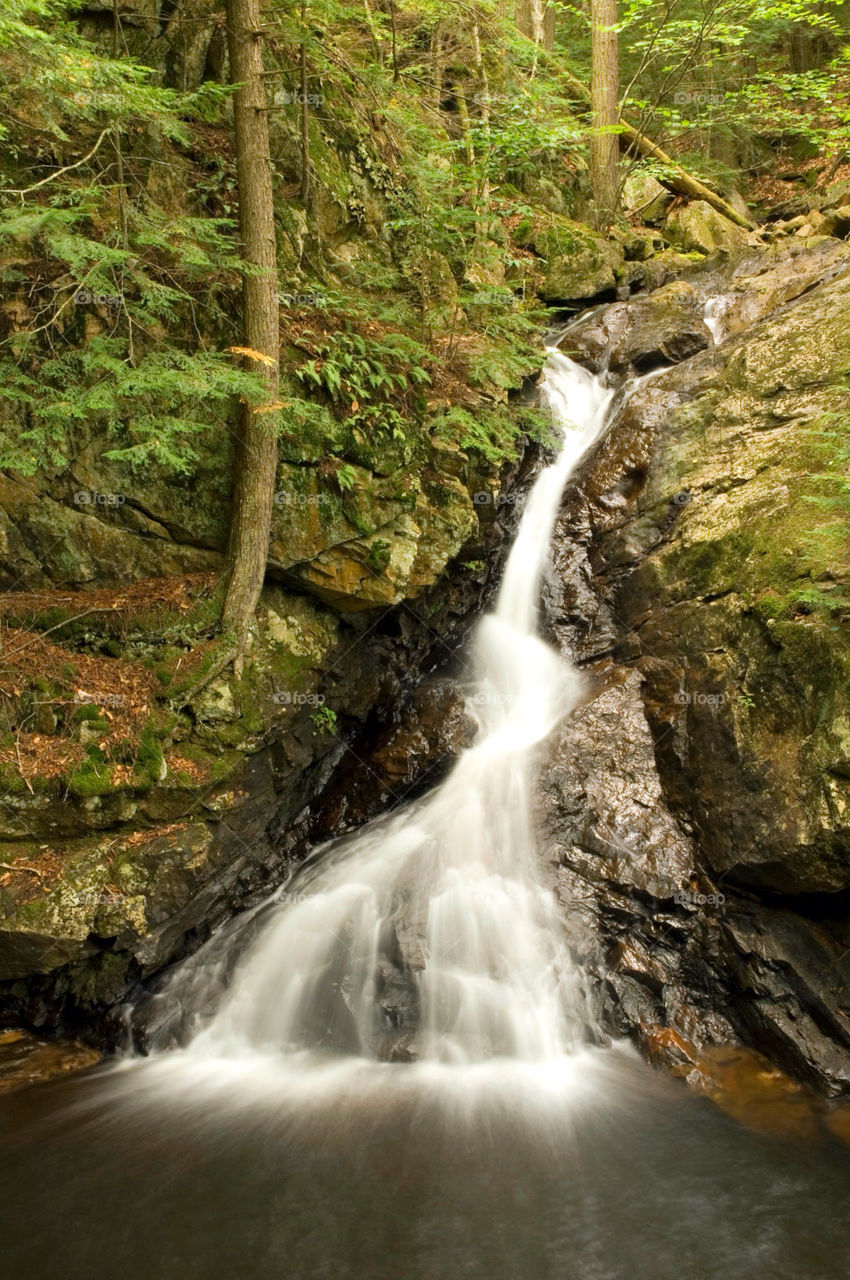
[89, 713]
[90, 778]
[11, 782]
[149, 759]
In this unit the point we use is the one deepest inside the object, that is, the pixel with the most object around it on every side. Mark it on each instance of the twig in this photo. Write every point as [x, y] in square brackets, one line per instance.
[58, 174]
[21, 866]
[20, 763]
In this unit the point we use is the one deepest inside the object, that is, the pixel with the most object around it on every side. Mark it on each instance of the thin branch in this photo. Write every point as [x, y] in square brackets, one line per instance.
[58, 174]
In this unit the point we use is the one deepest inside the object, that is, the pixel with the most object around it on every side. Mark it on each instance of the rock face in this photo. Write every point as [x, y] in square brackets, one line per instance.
[703, 560]
[101, 887]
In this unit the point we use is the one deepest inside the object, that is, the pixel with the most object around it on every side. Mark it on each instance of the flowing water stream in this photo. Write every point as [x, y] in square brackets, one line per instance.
[444, 896]
[391, 1070]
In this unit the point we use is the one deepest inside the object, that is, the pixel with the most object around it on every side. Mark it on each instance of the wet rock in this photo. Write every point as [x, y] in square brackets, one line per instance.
[432, 729]
[26, 1059]
[664, 327]
[604, 811]
[685, 554]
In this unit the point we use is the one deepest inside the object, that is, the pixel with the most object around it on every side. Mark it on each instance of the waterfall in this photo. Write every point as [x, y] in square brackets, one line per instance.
[430, 934]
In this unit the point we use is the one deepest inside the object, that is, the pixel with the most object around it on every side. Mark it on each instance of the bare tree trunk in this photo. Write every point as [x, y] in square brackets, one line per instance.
[605, 113]
[256, 454]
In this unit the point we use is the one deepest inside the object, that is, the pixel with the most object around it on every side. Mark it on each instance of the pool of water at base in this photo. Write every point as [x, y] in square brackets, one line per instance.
[593, 1168]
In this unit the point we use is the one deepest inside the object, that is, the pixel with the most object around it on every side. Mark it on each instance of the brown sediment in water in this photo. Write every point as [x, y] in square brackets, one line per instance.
[26, 1059]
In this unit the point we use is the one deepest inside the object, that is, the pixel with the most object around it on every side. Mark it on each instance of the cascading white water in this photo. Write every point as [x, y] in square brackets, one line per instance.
[446, 891]
[713, 313]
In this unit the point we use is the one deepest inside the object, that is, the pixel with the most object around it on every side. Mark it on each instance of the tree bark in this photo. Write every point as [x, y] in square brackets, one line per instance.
[305, 111]
[256, 452]
[605, 114]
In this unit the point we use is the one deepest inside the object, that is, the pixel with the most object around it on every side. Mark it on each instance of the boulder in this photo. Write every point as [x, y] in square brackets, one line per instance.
[698, 227]
[579, 263]
[663, 328]
[643, 197]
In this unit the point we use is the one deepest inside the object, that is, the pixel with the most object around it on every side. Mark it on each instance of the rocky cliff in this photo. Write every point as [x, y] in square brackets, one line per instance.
[697, 804]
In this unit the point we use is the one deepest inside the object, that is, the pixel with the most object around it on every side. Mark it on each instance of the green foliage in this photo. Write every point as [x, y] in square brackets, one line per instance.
[493, 434]
[109, 279]
[713, 79]
[324, 720]
[377, 382]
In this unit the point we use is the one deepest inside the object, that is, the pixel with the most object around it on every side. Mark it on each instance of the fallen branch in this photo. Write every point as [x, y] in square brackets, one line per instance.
[51, 177]
[21, 866]
[679, 180]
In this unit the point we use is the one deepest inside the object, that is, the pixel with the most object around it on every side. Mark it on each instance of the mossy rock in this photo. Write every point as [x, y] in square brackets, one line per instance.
[579, 263]
[742, 603]
[698, 227]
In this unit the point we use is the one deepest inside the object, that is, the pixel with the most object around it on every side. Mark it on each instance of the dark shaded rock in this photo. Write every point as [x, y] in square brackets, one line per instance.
[403, 758]
[663, 328]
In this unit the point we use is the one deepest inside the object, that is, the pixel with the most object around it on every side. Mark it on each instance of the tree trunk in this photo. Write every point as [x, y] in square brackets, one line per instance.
[605, 114]
[305, 111]
[256, 451]
[536, 20]
[678, 179]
